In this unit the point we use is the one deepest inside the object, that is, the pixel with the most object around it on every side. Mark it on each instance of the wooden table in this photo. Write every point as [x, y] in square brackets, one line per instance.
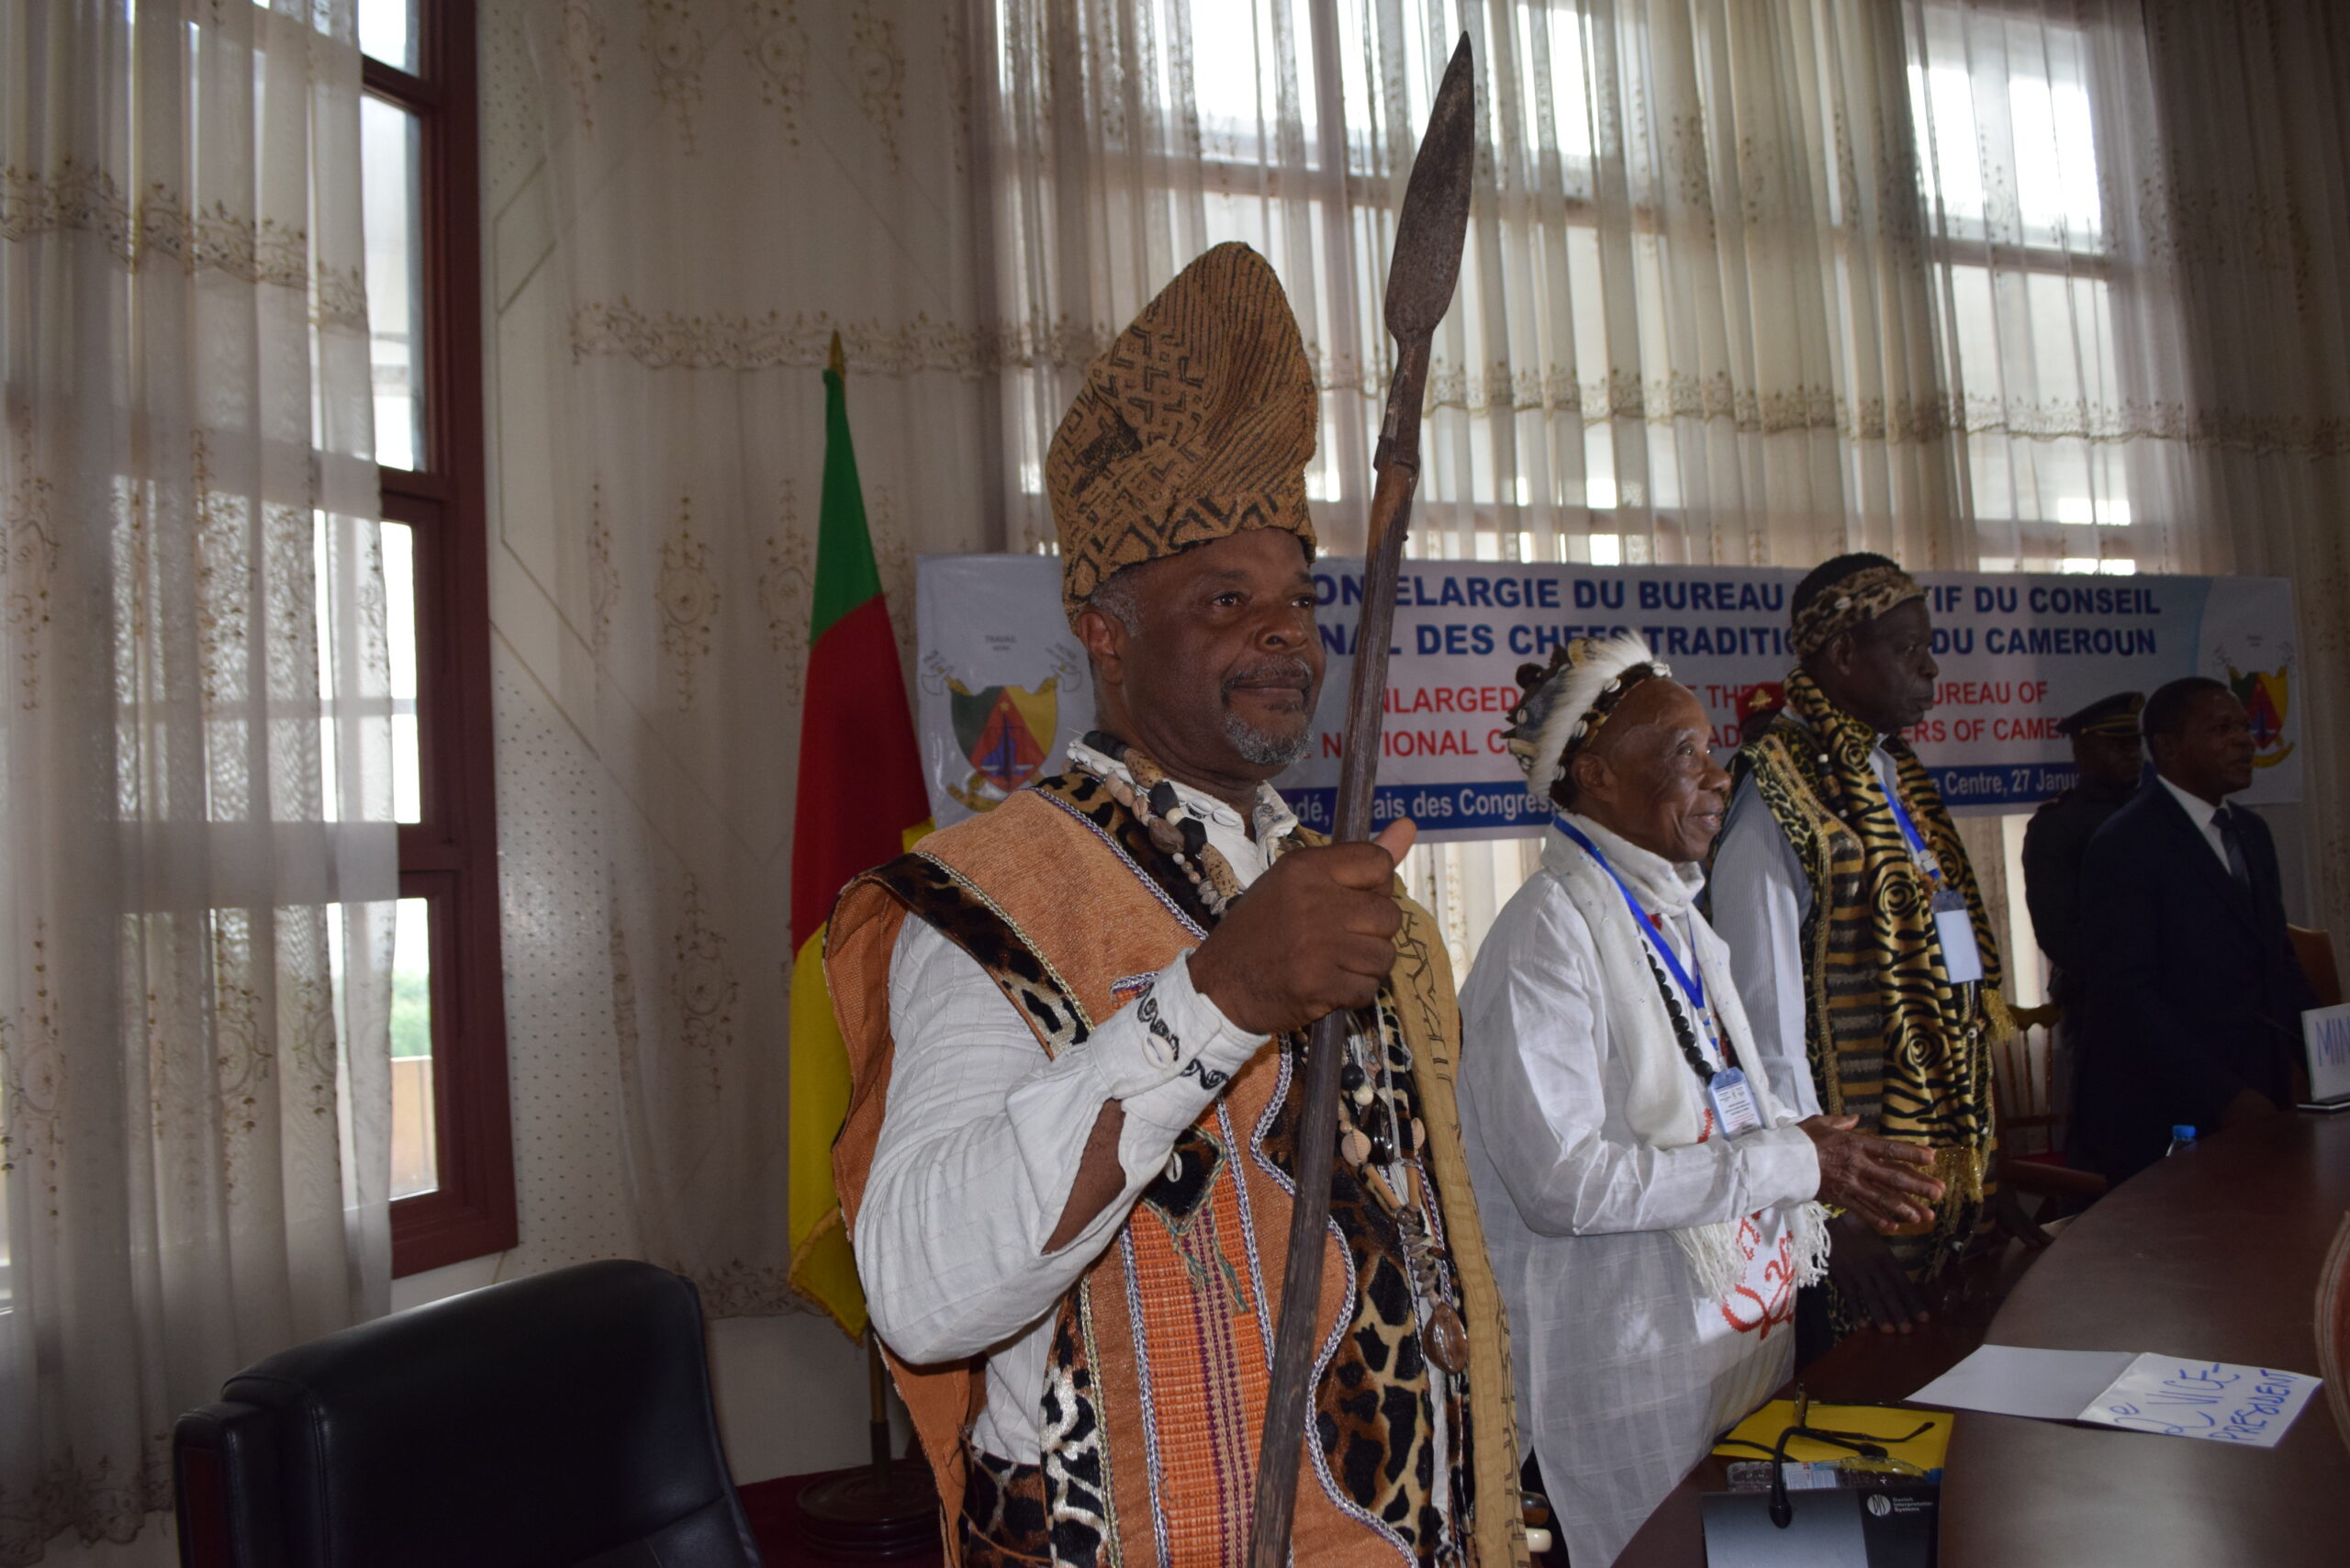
[2212, 1253]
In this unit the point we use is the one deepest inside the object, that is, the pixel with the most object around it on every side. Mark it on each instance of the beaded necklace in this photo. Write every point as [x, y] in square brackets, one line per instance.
[1681, 1030]
[1174, 831]
[1651, 946]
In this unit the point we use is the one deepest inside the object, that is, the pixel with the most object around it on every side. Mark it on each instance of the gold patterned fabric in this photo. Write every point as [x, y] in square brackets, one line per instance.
[1892, 1039]
[1855, 601]
[1196, 424]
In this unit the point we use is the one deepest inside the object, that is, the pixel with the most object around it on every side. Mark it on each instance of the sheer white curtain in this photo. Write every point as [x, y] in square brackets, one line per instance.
[2250, 206]
[1691, 324]
[2138, 214]
[196, 856]
[1697, 319]
[732, 185]
[2057, 292]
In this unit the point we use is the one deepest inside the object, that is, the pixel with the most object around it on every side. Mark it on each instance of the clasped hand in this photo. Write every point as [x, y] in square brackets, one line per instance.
[1879, 1180]
[1882, 1181]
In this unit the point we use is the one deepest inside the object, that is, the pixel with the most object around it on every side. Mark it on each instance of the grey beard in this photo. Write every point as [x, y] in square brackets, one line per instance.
[1268, 750]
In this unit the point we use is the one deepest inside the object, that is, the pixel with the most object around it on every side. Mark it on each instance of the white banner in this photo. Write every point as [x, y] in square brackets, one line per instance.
[1004, 686]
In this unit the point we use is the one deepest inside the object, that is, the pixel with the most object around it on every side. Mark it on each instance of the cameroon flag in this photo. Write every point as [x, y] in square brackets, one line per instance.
[861, 802]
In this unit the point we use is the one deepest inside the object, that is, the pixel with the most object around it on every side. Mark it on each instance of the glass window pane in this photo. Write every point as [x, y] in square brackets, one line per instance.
[414, 1149]
[1238, 87]
[399, 639]
[391, 153]
[388, 31]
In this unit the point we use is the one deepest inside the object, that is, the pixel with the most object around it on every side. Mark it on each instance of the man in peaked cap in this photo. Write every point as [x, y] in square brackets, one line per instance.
[2106, 750]
[1856, 931]
[1074, 1023]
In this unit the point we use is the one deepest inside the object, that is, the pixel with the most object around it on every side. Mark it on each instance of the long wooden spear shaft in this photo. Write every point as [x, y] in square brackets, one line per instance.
[1420, 277]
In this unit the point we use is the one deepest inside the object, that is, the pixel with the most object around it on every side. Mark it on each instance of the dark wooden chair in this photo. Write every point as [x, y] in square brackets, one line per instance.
[2315, 951]
[2031, 1114]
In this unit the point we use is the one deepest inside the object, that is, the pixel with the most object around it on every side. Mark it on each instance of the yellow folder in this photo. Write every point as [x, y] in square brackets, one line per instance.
[1879, 1422]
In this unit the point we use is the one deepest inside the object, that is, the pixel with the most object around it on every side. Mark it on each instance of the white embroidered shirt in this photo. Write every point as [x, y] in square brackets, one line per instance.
[981, 1140]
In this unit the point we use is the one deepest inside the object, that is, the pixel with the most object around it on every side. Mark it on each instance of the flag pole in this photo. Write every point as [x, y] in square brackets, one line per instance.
[884, 1508]
[844, 824]
[877, 1427]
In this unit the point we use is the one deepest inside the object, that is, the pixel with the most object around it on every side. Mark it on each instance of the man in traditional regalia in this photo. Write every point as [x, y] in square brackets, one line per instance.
[1649, 1200]
[1855, 929]
[1075, 1025]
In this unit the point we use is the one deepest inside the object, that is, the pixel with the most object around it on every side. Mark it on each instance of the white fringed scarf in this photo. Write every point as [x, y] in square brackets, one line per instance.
[1665, 1105]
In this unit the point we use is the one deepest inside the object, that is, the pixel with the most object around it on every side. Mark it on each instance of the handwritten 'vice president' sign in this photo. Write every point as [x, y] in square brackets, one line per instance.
[2218, 1401]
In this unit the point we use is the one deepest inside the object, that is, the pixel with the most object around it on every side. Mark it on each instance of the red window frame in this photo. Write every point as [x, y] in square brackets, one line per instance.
[449, 857]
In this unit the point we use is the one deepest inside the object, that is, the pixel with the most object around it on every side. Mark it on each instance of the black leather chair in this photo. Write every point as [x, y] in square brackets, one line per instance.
[559, 1421]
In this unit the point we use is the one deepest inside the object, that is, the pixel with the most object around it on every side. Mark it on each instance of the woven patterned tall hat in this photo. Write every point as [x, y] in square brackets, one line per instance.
[1196, 424]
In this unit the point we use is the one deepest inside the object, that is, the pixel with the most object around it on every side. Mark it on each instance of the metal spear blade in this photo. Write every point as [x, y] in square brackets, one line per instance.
[1429, 232]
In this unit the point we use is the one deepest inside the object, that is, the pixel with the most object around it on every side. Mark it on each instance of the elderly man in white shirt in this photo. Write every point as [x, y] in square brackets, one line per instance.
[1649, 1200]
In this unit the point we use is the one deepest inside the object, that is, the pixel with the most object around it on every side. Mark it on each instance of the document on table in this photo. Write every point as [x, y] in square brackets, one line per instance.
[2176, 1397]
[2180, 1398]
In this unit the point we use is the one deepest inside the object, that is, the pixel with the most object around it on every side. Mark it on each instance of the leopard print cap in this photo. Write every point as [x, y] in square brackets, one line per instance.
[1855, 601]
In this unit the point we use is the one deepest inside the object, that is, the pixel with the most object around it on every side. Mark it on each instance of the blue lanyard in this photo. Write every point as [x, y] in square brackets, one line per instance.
[1927, 861]
[1690, 987]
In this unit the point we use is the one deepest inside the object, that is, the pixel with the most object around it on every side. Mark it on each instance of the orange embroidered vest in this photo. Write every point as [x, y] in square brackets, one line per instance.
[1163, 1347]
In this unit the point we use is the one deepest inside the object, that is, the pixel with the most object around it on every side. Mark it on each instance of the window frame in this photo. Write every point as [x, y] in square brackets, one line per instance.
[2040, 541]
[449, 857]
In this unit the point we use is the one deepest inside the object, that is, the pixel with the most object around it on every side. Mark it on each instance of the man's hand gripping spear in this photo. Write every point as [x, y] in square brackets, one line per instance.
[1420, 277]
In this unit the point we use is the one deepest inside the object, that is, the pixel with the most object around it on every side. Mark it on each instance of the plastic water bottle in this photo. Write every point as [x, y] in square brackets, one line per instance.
[2180, 1138]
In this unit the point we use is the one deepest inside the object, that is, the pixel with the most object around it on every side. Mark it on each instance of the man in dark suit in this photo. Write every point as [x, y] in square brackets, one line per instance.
[2192, 994]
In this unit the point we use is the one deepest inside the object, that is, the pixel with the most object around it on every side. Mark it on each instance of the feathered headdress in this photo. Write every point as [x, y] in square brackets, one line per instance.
[1566, 702]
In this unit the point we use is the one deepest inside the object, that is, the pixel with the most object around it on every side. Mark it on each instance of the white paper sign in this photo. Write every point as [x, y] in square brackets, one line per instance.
[2325, 1036]
[2218, 1401]
[2174, 1397]
[2011, 1380]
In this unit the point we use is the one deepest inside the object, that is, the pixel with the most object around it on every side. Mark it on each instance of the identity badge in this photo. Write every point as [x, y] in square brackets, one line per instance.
[1954, 929]
[1733, 1097]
